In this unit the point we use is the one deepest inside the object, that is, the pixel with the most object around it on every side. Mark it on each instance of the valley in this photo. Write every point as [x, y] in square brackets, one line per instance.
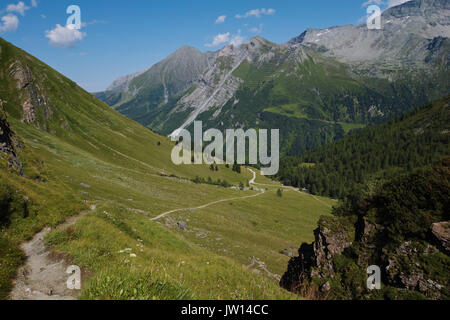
[105, 160]
[96, 180]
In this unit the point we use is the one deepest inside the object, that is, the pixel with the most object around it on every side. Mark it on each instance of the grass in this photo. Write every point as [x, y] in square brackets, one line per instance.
[255, 227]
[352, 126]
[166, 266]
[86, 153]
[288, 110]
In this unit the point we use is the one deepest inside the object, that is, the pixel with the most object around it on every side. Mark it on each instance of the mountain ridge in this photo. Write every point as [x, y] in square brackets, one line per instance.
[75, 153]
[313, 81]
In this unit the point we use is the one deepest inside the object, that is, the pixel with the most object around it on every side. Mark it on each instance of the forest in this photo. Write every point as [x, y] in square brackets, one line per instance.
[366, 158]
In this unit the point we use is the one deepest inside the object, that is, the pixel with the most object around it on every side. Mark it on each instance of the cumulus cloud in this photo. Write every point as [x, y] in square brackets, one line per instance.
[34, 3]
[237, 40]
[226, 38]
[64, 37]
[221, 19]
[257, 13]
[9, 23]
[219, 39]
[20, 7]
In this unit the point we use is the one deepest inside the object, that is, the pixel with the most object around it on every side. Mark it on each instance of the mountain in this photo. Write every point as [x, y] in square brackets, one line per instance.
[369, 156]
[402, 229]
[407, 30]
[134, 95]
[318, 86]
[82, 184]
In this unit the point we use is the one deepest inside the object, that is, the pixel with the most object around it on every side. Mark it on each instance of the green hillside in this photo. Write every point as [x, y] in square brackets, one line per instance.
[312, 98]
[62, 152]
[367, 157]
[402, 228]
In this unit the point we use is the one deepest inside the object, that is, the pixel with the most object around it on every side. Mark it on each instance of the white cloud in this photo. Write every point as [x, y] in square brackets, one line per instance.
[20, 7]
[221, 19]
[224, 38]
[64, 37]
[9, 23]
[34, 3]
[257, 13]
[257, 29]
[219, 39]
[237, 40]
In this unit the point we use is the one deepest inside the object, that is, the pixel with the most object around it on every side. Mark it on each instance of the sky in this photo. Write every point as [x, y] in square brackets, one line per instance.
[116, 37]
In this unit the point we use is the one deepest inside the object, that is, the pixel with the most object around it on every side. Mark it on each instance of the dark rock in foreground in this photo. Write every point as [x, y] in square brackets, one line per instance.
[390, 230]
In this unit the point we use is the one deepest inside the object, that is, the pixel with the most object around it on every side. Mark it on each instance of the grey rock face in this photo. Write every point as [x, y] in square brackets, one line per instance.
[441, 234]
[174, 74]
[34, 100]
[9, 144]
[182, 225]
[406, 32]
[316, 259]
[414, 41]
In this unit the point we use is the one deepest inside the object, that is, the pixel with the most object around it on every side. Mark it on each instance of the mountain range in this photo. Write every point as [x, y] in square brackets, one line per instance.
[316, 87]
[65, 155]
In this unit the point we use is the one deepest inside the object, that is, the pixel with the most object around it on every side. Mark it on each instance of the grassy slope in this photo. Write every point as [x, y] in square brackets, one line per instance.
[374, 153]
[89, 154]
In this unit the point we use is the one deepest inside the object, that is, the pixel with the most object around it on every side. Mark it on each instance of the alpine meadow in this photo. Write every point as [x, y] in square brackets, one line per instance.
[313, 167]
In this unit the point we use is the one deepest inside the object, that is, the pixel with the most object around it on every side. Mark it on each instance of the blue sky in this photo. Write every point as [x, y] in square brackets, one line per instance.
[121, 37]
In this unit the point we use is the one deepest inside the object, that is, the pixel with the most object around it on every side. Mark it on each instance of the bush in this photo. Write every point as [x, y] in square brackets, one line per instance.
[11, 203]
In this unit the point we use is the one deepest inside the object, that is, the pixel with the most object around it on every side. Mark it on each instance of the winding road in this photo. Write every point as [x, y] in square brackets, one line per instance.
[213, 203]
[251, 182]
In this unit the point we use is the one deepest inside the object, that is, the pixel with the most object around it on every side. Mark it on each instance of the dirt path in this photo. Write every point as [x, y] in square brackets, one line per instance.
[286, 188]
[44, 277]
[207, 205]
[212, 203]
[251, 182]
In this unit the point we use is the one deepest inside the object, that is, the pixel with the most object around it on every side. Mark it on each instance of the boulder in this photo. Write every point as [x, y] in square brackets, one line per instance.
[182, 225]
[441, 235]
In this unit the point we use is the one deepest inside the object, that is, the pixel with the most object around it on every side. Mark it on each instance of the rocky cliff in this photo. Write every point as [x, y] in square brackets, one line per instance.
[403, 229]
[9, 144]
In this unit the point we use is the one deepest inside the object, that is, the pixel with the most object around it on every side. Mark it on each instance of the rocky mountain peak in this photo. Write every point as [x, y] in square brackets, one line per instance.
[417, 7]
[406, 32]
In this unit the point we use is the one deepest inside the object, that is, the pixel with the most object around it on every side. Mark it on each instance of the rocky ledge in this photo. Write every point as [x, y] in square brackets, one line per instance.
[403, 229]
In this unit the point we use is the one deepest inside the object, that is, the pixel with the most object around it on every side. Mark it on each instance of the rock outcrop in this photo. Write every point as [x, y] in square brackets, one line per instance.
[402, 233]
[35, 104]
[441, 234]
[9, 143]
[316, 259]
